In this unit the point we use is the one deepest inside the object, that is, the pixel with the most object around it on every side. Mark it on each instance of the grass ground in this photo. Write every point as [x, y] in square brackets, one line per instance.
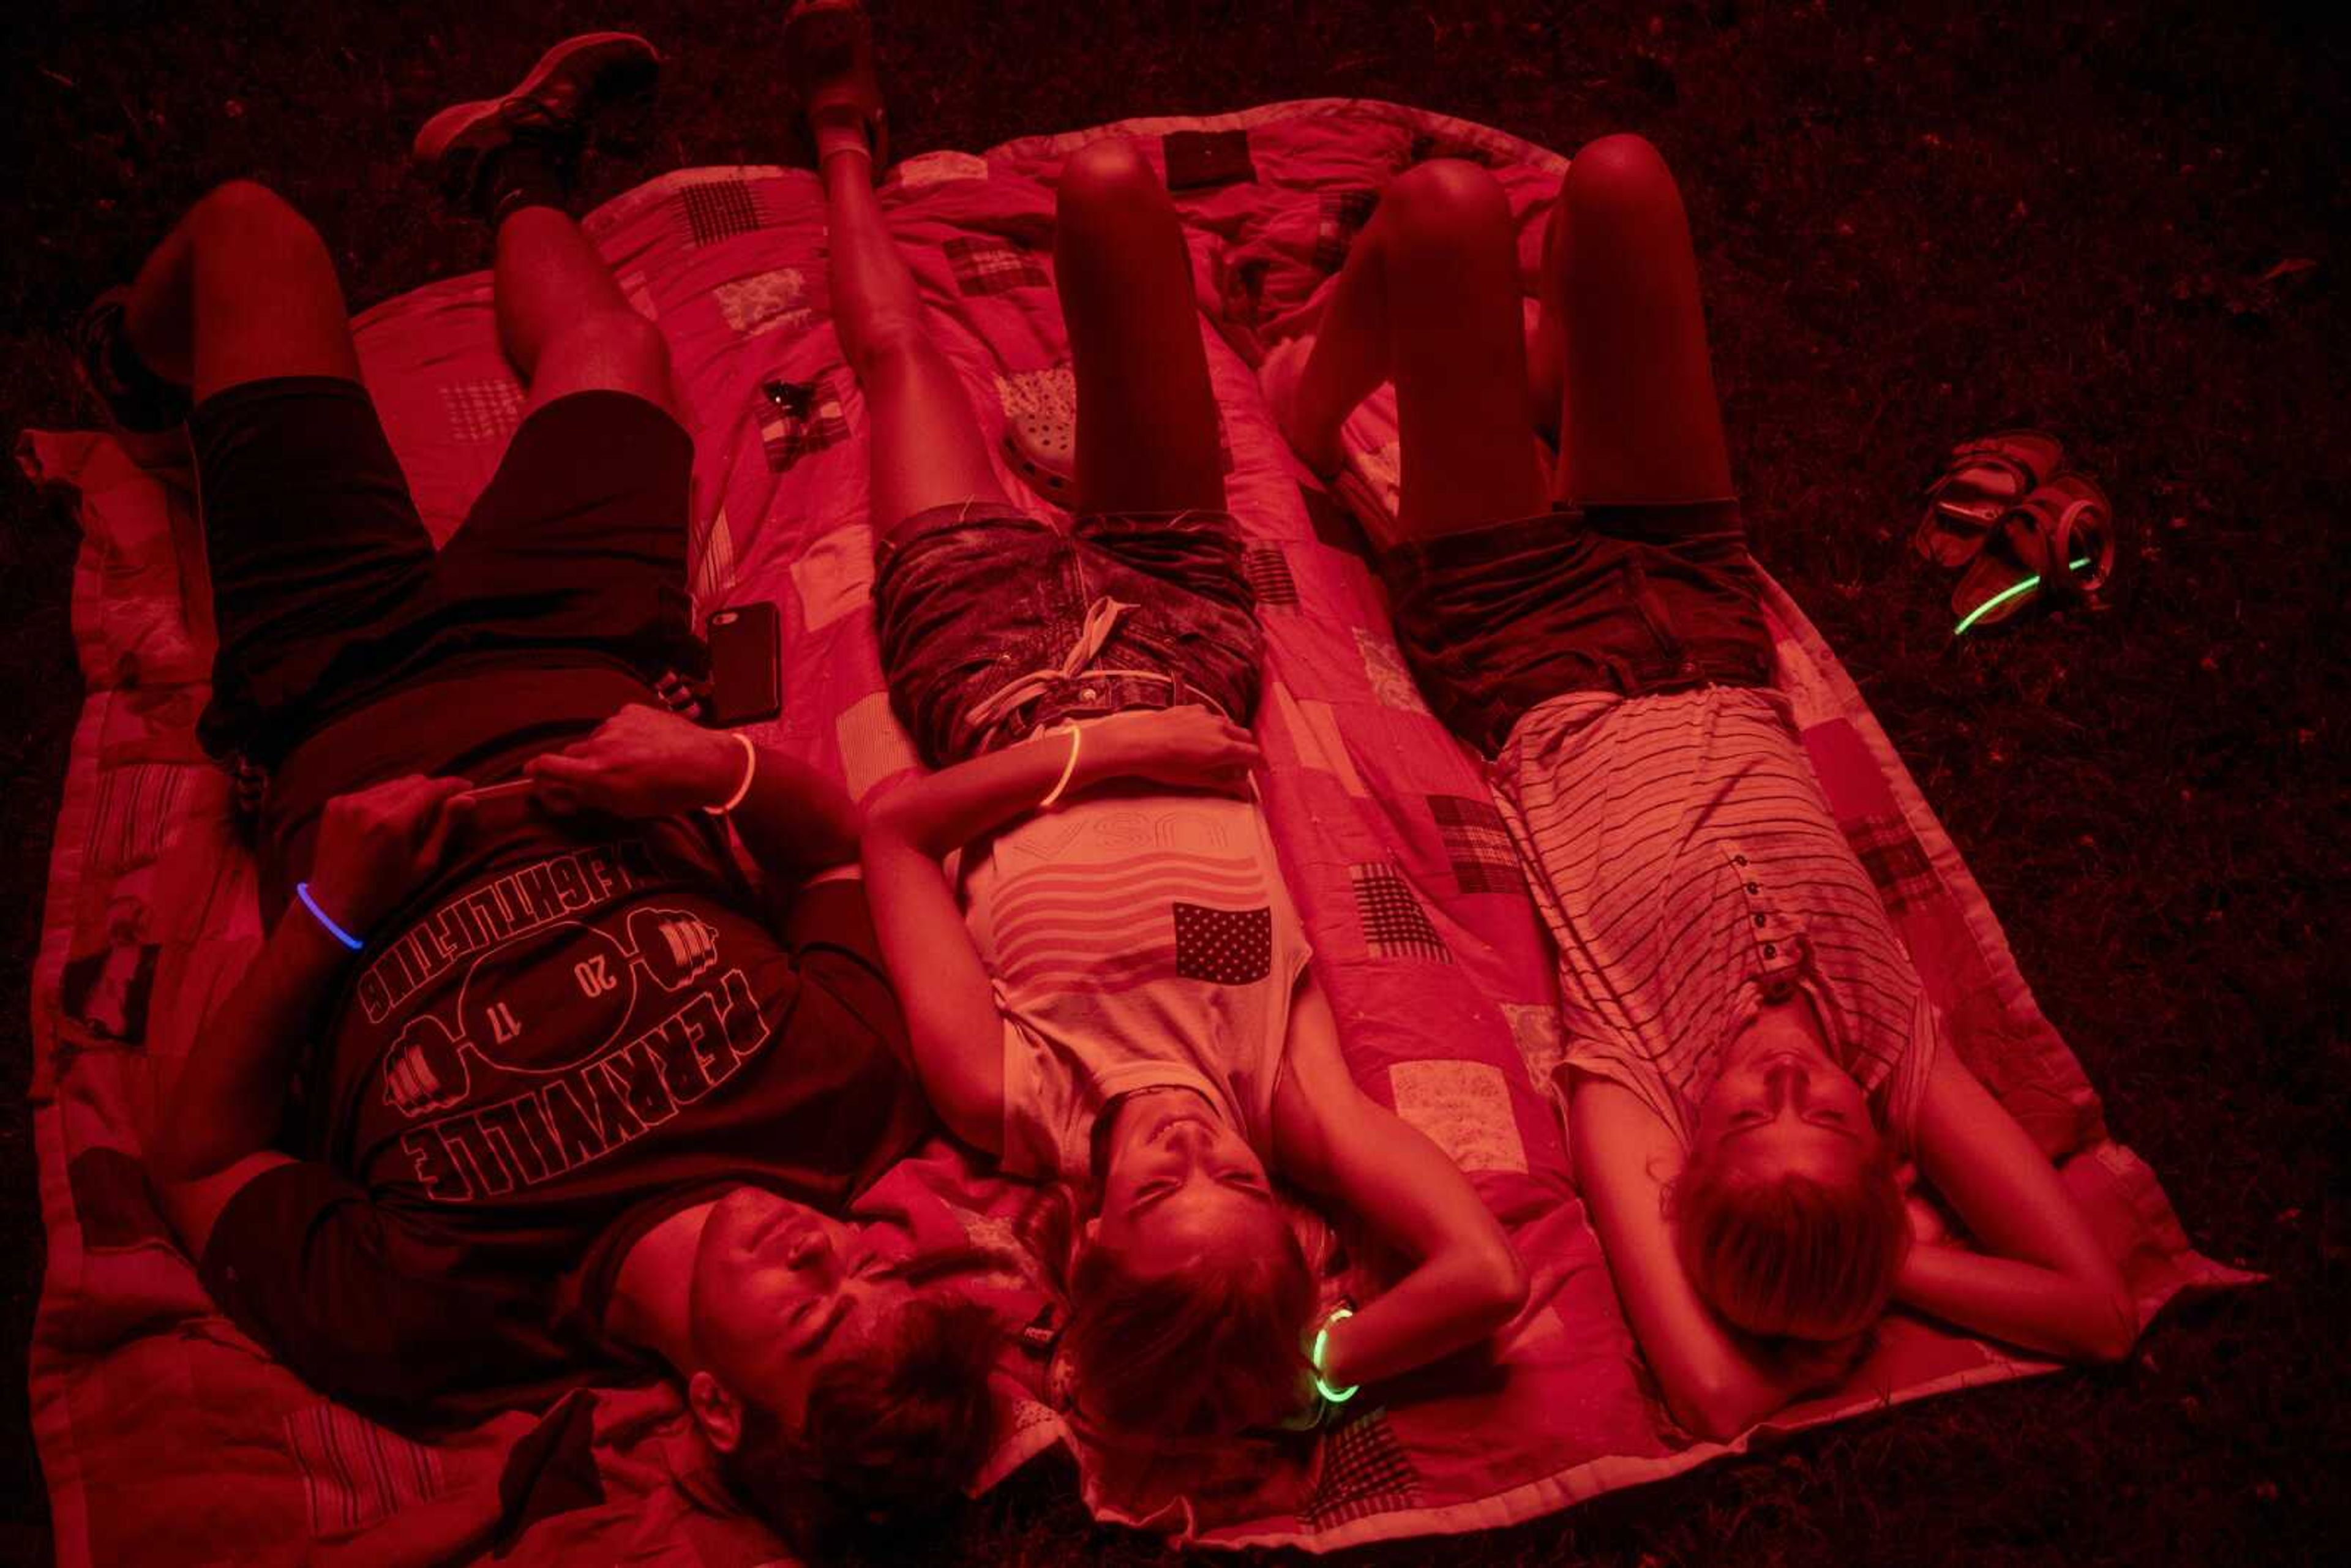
[1916, 222]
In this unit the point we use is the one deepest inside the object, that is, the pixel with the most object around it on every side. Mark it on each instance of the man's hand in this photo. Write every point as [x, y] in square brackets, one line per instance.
[376, 844]
[1187, 747]
[641, 762]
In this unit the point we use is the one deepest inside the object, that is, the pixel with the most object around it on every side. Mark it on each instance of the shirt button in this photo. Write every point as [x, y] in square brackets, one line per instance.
[1754, 887]
[1758, 921]
[1088, 695]
[1739, 859]
[1690, 667]
[1770, 950]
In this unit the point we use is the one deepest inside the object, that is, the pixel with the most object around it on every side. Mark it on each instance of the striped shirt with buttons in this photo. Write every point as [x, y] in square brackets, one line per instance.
[1690, 871]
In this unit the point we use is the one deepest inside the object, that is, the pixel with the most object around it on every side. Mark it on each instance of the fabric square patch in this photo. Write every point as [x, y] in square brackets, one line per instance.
[138, 805]
[1895, 860]
[873, 746]
[1394, 925]
[719, 209]
[797, 418]
[1464, 1108]
[485, 411]
[355, 1473]
[1267, 571]
[1383, 667]
[1534, 1030]
[835, 576]
[764, 300]
[938, 168]
[1315, 734]
[992, 265]
[1341, 216]
[1223, 947]
[1477, 843]
[1364, 1471]
[713, 552]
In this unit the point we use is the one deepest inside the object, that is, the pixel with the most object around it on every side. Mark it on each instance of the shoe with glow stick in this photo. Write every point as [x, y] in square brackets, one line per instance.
[2056, 545]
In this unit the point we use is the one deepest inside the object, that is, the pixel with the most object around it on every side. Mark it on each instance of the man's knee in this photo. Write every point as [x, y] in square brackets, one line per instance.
[1621, 177]
[1106, 173]
[1445, 200]
[614, 347]
[249, 214]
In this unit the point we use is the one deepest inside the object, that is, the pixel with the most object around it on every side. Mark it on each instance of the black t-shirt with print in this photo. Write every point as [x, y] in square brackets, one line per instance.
[524, 1070]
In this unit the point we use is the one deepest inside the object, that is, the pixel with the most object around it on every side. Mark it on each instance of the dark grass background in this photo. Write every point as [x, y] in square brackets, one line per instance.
[1913, 227]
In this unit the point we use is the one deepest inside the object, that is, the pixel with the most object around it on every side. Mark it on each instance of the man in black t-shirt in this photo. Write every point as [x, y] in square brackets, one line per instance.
[576, 1093]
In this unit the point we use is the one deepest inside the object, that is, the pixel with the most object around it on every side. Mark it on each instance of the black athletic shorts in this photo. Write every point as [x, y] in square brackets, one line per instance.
[326, 591]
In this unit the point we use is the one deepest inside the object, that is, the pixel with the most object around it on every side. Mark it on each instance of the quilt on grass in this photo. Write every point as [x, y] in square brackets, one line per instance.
[166, 1434]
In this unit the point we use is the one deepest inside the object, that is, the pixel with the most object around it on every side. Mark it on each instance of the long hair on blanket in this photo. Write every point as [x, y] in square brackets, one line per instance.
[1789, 1255]
[893, 1435]
[1207, 1349]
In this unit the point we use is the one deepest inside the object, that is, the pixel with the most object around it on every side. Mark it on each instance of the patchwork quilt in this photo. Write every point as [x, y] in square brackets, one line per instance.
[168, 1435]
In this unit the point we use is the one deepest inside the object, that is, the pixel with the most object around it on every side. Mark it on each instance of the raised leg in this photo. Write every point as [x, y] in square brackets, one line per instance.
[564, 321]
[1429, 295]
[1146, 412]
[928, 447]
[1639, 422]
[242, 290]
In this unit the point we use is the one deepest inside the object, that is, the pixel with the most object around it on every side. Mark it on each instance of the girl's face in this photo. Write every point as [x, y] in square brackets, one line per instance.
[1178, 1182]
[1783, 1107]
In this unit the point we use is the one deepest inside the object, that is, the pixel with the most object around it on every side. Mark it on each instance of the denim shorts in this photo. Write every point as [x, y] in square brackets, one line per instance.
[994, 624]
[1634, 600]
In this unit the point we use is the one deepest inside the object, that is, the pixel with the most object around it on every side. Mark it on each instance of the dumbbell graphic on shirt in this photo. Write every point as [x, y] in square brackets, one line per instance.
[545, 1001]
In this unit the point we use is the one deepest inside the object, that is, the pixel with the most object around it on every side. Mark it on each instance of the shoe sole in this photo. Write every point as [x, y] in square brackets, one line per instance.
[447, 131]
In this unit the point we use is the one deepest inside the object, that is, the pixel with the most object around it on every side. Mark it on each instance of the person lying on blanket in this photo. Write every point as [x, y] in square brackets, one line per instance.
[575, 1101]
[1119, 999]
[1751, 1058]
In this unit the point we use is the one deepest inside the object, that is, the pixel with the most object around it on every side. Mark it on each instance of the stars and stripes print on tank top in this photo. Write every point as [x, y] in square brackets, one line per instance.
[1136, 941]
[1691, 871]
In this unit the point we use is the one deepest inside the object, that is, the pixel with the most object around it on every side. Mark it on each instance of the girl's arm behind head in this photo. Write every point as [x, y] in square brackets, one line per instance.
[2042, 1281]
[1465, 1281]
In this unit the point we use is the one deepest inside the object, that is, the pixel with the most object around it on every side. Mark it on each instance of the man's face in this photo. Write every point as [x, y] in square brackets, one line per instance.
[780, 1290]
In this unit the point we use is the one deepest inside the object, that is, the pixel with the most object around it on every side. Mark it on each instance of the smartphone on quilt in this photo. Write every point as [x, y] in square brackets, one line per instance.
[747, 672]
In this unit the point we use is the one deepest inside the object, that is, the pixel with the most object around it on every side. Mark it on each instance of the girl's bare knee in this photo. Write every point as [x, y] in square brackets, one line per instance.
[1442, 192]
[1622, 175]
[1108, 173]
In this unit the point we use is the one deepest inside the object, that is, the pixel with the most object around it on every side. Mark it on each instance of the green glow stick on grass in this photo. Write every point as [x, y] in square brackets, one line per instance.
[2011, 591]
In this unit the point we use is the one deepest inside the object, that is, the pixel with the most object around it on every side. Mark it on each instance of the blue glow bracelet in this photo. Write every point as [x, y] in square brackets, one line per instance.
[302, 890]
[1322, 1344]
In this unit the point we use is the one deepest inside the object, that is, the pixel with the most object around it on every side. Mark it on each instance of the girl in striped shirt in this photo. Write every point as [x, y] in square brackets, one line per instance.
[1112, 993]
[1751, 1059]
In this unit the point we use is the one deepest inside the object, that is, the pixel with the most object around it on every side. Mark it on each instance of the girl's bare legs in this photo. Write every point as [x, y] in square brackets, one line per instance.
[928, 450]
[1147, 413]
[1639, 424]
[1429, 295]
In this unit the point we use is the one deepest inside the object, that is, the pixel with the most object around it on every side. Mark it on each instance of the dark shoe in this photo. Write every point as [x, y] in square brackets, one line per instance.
[829, 67]
[137, 400]
[548, 110]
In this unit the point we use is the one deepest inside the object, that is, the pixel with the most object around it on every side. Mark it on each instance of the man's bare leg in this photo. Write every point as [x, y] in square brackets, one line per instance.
[241, 291]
